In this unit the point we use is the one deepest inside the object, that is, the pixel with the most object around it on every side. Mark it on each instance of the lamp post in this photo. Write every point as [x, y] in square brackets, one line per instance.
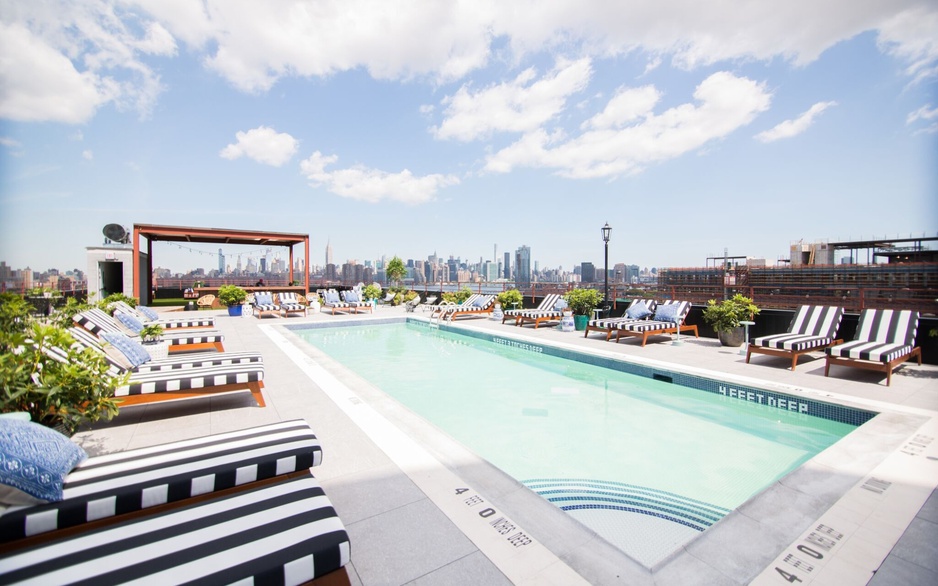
[606, 230]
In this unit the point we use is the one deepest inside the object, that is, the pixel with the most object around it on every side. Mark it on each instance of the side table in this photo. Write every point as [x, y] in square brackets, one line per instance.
[158, 351]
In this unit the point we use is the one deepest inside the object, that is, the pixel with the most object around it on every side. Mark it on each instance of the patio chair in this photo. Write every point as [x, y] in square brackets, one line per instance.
[885, 338]
[545, 312]
[668, 318]
[411, 305]
[481, 305]
[290, 303]
[812, 329]
[331, 300]
[265, 304]
[638, 310]
[355, 302]
[205, 301]
[237, 507]
[97, 321]
[546, 303]
[176, 377]
[147, 316]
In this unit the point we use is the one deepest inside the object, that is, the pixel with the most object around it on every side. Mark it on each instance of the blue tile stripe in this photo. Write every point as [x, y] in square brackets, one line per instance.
[578, 494]
[772, 399]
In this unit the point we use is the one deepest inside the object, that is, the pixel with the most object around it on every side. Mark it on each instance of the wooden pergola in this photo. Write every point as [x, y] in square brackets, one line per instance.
[155, 233]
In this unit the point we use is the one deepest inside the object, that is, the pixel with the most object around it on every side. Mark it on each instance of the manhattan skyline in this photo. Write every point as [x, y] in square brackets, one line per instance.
[402, 128]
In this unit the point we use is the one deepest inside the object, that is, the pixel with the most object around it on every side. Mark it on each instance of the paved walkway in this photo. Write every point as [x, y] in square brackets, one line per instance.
[411, 497]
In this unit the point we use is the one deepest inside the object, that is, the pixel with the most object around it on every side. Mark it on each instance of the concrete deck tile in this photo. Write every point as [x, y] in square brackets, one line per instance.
[919, 545]
[739, 547]
[471, 570]
[364, 494]
[896, 571]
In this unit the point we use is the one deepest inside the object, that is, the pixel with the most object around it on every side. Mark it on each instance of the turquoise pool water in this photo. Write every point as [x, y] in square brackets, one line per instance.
[646, 464]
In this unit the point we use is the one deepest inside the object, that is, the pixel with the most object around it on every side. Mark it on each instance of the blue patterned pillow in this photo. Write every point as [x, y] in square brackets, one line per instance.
[263, 298]
[667, 312]
[148, 312]
[481, 302]
[638, 311]
[34, 459]
[351, 297]
[129, 321]
[133, 350]
[561, 305]
[332, 297]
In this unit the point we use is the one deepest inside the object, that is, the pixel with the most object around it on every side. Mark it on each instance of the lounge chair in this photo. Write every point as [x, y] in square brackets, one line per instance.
[885, 338]
[355, 302]
[434, 307]
[811, 329]
[546, 303]
[147, 316]
[236, 507]
[411, 305]
[481, 305]
[178, 377]
[265, 304]
[97, 321]
[638, 310]
[290, 303]
[549, 312]
[206, 301]
[331, 300]
[668, 319]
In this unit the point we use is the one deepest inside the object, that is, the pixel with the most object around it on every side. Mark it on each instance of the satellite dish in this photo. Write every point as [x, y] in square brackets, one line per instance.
[116, 233]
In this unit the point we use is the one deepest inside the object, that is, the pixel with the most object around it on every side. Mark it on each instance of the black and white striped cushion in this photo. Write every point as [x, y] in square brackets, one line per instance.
[655, 325]
[124, 482]
[199, 377]
[166, 322]
[96, 321]
[193, 337]
[812, 326]
[283, 533]
[614, 322]
[882, 336]
[546, 304]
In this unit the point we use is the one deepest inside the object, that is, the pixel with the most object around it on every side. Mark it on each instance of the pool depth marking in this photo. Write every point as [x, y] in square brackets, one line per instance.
[520, 557]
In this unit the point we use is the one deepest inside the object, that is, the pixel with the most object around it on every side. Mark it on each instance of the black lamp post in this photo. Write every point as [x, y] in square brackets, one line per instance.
[606, 230]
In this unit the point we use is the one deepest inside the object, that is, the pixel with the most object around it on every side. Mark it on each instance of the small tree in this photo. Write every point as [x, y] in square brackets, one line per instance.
[395, 271]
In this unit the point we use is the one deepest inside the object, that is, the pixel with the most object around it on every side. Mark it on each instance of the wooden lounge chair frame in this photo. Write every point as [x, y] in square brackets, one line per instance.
[645, 334]
[794, 354]
[592, 326]
[884, 367]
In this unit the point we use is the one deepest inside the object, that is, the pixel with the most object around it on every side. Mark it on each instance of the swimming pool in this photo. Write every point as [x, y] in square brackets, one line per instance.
[645, 463]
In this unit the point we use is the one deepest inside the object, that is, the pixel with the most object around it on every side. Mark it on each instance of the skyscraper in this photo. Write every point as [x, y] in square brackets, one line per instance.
[587, 272]
[221, 261]
[507, 266]
[523, 265]
[328, 253]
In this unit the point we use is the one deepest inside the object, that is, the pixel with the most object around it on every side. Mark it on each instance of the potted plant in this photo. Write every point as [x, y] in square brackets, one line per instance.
[510, 299]
[151, 334]
[582, 302]
[232, 296]
[372, 293]
[44, 373]
[724, 317]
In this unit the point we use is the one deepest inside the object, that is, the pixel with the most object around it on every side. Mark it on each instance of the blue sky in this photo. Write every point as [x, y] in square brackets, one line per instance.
[413, 127]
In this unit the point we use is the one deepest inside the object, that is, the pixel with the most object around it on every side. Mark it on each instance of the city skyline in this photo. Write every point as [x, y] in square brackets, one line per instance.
[395, 129]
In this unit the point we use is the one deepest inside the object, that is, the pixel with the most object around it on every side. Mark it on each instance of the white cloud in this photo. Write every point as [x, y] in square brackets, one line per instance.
[264, 145]
[626, 106]
[796, 126]
[925, 113]
[912, 35]
[9, 142]
[724, 103]
[519, 105]
[373, 185]
[61, 61]
[87, 155]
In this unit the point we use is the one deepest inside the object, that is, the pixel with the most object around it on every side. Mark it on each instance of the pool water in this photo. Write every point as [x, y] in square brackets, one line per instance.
[646, 464]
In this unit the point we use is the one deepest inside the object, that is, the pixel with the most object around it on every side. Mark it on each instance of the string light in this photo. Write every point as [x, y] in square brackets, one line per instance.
[215, 253]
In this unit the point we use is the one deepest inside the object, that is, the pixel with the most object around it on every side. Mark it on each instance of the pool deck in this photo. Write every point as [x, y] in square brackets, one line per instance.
[421, 509]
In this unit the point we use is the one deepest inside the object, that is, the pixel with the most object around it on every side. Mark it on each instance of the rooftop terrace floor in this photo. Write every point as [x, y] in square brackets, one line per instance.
[394, 479]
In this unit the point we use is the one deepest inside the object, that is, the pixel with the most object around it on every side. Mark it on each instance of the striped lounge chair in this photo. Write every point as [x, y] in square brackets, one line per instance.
[264, 304]
[812, 329]
[536, 316]
[482, 305]
[238, 507]
[355, 302]
[547, 303]
[97, 322]
[668, 318]
[445, 307]
[290, 303]
[147, 316]
[608, 325]
[332, 301]
[885, 338]
[180, 377]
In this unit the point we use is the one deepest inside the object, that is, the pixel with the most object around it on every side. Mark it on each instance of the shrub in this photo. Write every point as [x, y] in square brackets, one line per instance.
[231, 295]
[583, 301]
[727, 314]
[510, 298]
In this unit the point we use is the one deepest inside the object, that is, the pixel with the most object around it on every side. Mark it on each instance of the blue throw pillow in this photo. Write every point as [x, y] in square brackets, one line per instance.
[480, 302]
[561, 305]
[351, 297]
[148, 312]
[34, 459]
[264, 298]
[667, 312]
[129, 321]
[332, 297]
[638, 311]
[135, 352]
